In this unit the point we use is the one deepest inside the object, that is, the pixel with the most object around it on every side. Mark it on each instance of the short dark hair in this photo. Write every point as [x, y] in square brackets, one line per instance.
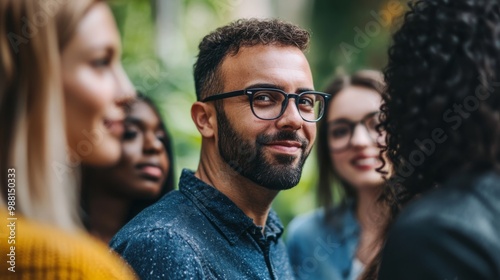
[230, 38]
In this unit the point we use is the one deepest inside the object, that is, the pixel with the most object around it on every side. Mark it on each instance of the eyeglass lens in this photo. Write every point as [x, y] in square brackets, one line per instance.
[268, 104]
[341, 132]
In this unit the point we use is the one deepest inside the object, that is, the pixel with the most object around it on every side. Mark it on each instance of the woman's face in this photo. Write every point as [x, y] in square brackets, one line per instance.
[96, 89]
[354, 111]
[144, 165]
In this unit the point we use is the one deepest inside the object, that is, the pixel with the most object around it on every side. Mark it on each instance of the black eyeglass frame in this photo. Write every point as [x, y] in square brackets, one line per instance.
[352, 127]
[251, 91]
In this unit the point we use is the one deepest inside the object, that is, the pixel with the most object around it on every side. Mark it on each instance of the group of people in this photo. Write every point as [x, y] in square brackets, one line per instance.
[408, 159]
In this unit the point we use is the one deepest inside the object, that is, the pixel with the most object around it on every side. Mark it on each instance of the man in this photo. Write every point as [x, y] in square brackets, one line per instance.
[256, 112]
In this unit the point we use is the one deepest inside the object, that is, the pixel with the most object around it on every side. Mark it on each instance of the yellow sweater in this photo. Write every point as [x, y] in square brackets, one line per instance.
[29, 250]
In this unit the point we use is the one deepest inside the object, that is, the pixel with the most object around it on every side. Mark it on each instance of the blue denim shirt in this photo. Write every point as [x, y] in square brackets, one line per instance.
[199, 233]
[320, 250]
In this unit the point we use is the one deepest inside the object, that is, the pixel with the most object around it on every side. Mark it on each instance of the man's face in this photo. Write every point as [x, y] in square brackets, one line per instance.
[270, 153]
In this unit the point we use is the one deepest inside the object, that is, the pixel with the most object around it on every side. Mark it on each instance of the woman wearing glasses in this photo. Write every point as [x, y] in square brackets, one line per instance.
[336, 241]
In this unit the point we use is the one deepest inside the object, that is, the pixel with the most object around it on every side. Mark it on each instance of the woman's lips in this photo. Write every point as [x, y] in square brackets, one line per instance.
[366, 163]
[151, 171]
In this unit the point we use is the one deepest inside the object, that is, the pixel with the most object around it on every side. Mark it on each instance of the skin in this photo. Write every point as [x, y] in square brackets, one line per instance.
[143, 167]
[281, 67]
[357, 164]
[140, 173]
[96, 88]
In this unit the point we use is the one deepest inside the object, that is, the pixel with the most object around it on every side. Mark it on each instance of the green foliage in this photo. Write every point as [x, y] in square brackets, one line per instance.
[350, 35]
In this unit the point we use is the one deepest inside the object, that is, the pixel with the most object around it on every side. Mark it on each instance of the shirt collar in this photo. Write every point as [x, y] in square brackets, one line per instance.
[222, 212]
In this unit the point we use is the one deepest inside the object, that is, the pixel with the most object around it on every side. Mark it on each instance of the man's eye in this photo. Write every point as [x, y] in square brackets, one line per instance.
[267, 96]
[262, 97]
[306, 102]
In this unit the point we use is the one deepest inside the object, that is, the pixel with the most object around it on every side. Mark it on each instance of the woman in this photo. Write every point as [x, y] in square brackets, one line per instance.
[114, 195]
[62, 92]
[442, 121]
[336, 242]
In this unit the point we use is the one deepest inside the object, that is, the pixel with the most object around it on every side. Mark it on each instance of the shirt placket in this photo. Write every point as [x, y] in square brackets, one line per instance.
[265, 246]
[267, 255]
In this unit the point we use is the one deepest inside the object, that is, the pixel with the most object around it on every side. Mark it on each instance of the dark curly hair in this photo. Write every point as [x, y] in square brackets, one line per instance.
[442, 105]
[227, 40]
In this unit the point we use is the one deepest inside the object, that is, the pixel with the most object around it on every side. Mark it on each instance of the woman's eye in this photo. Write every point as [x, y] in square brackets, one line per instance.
[161, 136]
[373, 122]
[340, 132]
[129, 134]
[101, 62]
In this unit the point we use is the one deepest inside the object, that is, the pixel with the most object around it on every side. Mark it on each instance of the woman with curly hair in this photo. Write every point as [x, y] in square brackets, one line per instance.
[442, 118]
[348, 152]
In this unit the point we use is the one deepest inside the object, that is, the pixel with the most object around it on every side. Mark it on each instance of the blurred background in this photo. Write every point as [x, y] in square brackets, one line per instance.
[160, 40]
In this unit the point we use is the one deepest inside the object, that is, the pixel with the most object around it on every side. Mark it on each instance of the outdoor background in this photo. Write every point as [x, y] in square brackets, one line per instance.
[160, 40]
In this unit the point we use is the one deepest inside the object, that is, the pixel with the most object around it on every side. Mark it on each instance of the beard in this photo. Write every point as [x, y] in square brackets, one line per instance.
[249, 160]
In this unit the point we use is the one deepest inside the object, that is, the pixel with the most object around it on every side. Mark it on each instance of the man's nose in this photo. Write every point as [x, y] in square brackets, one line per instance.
[291, 118]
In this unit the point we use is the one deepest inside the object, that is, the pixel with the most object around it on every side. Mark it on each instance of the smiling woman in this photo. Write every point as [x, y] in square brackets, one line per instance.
[59, 106]
[112, 196]
[96, 88]
[348, 158]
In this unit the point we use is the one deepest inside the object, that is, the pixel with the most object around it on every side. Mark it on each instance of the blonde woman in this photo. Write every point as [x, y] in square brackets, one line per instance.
[62, 92]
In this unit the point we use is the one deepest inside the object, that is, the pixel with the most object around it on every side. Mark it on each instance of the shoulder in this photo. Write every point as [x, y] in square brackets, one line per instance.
[305, 225]
[162, 242]
[314, 223]
[161, 252]
[50, 249]
[452, 230]
[304, 231]
[158, 243]
[468, 206]
[321, 249]
[173, 209]
[169, 222]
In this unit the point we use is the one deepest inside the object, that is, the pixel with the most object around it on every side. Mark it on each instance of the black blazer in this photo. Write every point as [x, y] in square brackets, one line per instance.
[451, 233]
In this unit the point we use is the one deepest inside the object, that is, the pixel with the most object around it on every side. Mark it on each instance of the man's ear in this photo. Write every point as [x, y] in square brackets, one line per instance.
[205, 119]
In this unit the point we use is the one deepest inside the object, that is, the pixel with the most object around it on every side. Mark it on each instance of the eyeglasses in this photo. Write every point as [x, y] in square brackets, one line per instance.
[271, 103]
[340, 132]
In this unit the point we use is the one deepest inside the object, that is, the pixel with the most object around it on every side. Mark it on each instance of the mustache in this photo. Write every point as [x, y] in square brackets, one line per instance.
[285, 135]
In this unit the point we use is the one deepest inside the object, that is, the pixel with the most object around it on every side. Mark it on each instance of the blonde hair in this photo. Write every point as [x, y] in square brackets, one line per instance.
[32, 114]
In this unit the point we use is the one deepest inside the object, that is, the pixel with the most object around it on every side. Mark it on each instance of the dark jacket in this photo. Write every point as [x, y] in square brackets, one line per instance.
[451, 233]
